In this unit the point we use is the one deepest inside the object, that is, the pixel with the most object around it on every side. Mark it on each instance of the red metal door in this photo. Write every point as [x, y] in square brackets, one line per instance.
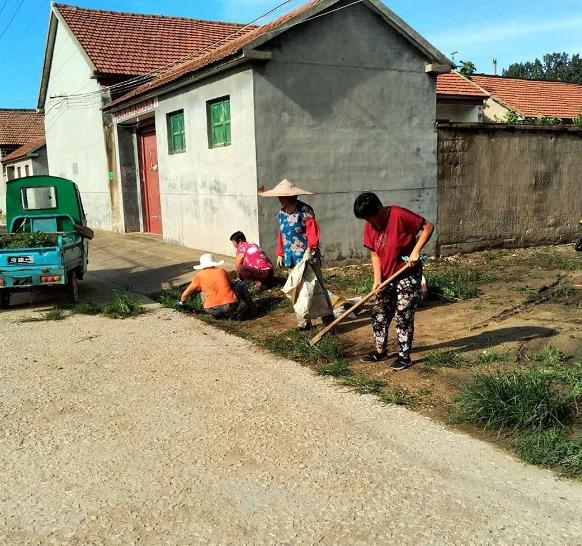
[152, 208]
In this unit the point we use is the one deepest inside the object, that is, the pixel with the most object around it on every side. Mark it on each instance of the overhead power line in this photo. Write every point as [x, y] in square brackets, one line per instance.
[11, 19]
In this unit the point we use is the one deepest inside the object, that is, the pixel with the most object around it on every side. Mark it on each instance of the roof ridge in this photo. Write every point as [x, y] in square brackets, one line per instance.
[154, 15]
[508, 78]
[30, 110]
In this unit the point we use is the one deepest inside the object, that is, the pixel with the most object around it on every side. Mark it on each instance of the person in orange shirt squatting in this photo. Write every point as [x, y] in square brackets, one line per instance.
[220, 297]
[391, 233]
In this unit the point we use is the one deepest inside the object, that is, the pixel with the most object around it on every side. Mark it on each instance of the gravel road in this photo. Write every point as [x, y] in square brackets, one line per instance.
[162, 430]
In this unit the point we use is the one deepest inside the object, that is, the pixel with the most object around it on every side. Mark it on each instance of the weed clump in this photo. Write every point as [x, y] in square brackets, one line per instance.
[399, 397]
[446, 359]
[551, 448]
[124, 305]
[362, 384]
[458, 282]
[514, 400]
[54, 314]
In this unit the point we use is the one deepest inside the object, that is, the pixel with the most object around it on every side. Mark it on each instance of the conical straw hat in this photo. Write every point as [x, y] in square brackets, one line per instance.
[286, 188]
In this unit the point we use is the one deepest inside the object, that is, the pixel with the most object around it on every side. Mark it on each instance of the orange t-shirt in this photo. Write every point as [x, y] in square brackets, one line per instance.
[215, 285]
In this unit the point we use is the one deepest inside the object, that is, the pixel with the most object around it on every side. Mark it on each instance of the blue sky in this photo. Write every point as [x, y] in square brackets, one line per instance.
[510, 30]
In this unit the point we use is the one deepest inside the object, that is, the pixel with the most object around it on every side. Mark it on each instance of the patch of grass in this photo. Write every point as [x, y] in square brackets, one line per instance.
[362, 384]
[514, 400]
[168, 298]
[399, 397]
[55, 313]
[549, 356]
[552, 259]
[349, 282]
[489, 357]
[458, 282]
[446, 359]
[125, 304]
[335, 368]
[295, 346]
[551, 448]
[86, 308]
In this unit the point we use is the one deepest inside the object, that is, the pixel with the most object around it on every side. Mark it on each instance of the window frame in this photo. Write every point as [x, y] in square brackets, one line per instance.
[172, 133]
[224, 124]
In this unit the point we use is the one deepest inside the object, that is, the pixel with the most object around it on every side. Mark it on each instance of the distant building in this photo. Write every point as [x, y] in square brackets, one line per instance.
[530, 98]
[459, 100]
[28, 160]
[18, 127]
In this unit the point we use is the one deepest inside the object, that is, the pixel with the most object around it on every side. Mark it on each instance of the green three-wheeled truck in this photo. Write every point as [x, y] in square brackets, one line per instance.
[46, 243]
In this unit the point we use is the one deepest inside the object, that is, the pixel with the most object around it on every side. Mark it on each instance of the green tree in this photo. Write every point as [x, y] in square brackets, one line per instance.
[553, 66]
[467, 68]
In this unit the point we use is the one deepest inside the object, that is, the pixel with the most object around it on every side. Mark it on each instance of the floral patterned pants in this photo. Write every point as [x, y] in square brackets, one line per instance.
[398, 300]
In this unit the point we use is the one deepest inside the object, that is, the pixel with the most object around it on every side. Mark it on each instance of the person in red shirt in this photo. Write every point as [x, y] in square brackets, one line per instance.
[391, 233]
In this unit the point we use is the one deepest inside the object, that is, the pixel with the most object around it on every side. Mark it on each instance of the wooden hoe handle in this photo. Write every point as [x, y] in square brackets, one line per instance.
[316, 339]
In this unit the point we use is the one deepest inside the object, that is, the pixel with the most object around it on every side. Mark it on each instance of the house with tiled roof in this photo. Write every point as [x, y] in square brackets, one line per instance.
[459, 100]
[530, 98]
[336, 95]
[18, 128]
[89, 54]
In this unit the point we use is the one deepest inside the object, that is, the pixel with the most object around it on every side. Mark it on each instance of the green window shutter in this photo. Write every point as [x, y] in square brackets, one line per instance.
[176, 132]
[219, 122]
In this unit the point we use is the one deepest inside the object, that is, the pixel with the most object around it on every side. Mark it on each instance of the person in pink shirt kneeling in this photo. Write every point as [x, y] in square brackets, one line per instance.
[252, 264]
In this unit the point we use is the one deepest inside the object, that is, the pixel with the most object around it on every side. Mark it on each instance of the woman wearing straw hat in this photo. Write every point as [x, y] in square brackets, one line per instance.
[298, 236]
[220, 297]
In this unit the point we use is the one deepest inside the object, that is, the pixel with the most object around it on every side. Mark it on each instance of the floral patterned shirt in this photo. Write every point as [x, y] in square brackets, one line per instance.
[293, 231]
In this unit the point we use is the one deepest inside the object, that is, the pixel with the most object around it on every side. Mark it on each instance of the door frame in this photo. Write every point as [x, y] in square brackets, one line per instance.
[149, 130]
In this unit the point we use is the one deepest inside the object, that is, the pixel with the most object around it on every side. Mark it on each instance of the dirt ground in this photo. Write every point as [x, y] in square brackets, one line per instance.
[503, 318]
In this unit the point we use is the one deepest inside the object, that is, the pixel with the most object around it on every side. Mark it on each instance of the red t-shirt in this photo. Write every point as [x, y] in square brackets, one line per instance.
[396, 239]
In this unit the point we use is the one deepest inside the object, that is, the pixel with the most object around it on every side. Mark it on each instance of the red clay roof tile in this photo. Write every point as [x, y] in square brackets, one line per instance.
[220, 52]
[24, 150]
[19, 126]
[455, 84]
[534, 98]
[136, 44]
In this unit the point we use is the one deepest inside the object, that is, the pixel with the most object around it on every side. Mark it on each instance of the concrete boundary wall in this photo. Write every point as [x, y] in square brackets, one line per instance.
[507, 186]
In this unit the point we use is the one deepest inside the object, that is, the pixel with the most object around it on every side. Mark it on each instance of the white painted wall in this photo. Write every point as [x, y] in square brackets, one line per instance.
[494, 112]
[74, 129]
[207, 194]
[459, 113]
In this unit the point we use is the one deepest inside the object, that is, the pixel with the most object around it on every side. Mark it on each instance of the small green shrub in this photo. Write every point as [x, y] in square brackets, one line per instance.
[516, 400]
[458, 282]
[124, 305]
[86, 308]
[550, 448]
[446, 359]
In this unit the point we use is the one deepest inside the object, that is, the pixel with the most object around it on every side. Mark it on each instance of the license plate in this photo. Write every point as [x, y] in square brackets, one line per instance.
[20, 260]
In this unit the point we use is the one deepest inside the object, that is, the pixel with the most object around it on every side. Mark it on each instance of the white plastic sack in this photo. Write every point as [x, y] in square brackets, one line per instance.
[305, 292]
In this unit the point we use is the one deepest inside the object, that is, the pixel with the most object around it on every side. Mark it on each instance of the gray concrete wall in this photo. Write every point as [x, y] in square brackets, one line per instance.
[74, 129]
[207, 194]
[508, 186]
[40, 162]
[128, 175]
[345, 106]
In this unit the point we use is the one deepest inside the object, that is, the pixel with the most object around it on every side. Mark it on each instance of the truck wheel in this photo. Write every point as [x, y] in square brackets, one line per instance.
[4, 299]
[73, 287]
